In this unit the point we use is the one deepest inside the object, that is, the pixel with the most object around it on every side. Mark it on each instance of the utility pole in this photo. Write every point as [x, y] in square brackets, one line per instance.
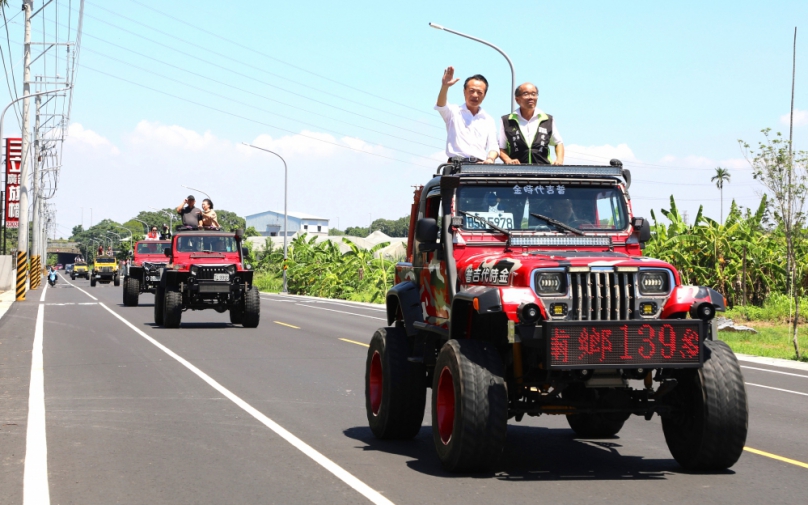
[22, 245]
[36, 238]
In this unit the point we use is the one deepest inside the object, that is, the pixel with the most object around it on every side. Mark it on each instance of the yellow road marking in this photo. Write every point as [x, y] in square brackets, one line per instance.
[775, 456]
[354, 342]
[284, 324]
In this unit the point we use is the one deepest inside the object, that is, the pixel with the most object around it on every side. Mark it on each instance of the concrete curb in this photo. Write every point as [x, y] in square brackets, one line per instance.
[332, 300]
[782, 363]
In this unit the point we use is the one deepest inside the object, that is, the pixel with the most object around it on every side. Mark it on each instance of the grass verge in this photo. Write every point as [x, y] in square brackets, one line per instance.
[772, 341]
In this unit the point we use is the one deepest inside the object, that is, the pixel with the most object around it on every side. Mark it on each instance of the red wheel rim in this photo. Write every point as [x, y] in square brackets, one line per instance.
[375, 383]
[446, 405]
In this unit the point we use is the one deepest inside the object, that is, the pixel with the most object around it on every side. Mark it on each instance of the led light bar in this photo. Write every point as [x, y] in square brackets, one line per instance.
[561, 241]
[545, 170]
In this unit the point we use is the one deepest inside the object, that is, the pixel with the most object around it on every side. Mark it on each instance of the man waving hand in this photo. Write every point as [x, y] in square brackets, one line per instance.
[470, 132]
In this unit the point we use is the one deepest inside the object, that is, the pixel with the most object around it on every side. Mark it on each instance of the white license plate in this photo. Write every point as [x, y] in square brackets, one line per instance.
[221, 277]
[154, 278]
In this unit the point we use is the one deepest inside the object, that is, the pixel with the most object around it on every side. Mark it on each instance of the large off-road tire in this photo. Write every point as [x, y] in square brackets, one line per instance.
[469, 405]
[252, 308]
[707, 429]
[93, 281]
[173, 309]
[236, 315]
[72, 277]
[131, 291]
[395, 388]
[116, 281]
[159, 305]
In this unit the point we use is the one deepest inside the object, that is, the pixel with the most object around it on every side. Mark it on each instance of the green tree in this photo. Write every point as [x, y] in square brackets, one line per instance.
[721, 176]
[783, 174]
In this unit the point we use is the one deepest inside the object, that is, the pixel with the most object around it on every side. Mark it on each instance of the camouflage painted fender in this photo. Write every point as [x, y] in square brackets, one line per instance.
[404, 302]
[685, 299]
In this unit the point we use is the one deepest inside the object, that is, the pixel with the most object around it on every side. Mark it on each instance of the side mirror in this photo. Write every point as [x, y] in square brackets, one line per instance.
[426, 234]
[167, 252]
[642, 228]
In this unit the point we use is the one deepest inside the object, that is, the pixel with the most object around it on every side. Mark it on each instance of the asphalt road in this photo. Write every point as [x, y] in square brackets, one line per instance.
[215, 413]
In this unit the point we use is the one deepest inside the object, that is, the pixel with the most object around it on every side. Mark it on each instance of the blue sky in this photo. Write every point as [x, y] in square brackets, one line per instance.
[667, 88]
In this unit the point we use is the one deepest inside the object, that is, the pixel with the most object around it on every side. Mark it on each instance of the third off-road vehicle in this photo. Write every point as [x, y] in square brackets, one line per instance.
[526, 293]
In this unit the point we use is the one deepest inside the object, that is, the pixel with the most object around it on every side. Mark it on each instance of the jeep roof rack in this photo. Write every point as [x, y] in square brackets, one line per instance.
[614, 169]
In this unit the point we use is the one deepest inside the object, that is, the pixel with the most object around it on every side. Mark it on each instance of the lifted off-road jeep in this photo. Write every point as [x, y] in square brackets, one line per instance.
[80, 269]
[526, 293]
[143, 275]
[207, 270]
[105, 270]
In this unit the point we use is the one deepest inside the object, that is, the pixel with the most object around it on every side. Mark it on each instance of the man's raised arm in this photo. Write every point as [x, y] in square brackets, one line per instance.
[447, 82]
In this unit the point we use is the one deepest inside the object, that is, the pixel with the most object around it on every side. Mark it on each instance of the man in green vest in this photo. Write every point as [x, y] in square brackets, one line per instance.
[525, 135]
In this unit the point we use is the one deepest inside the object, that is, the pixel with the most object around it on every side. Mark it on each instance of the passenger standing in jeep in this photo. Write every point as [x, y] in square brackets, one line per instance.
[190, 215]
[525, 135]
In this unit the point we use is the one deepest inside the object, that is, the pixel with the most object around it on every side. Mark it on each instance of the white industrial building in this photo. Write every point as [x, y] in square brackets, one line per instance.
[270, 224]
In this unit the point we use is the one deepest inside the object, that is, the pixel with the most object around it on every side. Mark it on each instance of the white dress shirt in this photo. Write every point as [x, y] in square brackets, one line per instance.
[528, 128]
[468, 135]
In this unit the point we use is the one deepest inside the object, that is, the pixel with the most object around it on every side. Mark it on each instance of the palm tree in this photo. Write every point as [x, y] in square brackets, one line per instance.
[721, 175]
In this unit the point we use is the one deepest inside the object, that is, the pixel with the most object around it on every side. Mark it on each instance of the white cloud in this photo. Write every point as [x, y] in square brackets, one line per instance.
[155, 160]
[79, 137]
[800, 118]
[174, 136]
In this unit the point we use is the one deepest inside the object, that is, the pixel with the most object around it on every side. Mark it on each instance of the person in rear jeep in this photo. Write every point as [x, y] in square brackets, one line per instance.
[190, 215]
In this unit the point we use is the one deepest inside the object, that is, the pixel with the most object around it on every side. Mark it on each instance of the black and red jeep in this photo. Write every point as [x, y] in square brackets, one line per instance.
[526, 293]
[143, 275]
[207, 270]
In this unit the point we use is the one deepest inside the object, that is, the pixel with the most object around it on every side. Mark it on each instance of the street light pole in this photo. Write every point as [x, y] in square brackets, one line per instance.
[170, 217]
[22, 244]
[500, 51]
[285, 213]
[199, 190]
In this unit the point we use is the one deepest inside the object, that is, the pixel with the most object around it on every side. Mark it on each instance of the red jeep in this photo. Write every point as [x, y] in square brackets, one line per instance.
[526, 293]
[207, 270]
[143, 275]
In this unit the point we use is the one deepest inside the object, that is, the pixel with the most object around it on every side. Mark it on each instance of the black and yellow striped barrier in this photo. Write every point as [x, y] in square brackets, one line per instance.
[22, 274]
[36, 272]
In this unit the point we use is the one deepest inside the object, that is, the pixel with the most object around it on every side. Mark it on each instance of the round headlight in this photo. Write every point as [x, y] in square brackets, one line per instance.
[231, 269]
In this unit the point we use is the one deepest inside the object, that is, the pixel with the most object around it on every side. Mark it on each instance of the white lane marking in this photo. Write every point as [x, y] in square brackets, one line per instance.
[35, 488]
[86, 293]
[311, 299]
[775, 371]
[776, 389]
[363, 489]
[73, 303]
[343, 312]
[42, 298]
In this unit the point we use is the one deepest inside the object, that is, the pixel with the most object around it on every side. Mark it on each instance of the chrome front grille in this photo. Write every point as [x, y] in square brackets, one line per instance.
[206, 273]
[106, 269]
[603, 295]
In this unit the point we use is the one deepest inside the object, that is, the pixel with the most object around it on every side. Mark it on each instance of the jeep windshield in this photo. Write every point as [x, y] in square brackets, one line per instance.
[105, 261]
[519, 207]
[152, 247]
[206, 243]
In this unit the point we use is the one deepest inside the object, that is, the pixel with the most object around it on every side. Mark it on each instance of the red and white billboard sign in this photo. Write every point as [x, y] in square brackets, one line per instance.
[13, 165]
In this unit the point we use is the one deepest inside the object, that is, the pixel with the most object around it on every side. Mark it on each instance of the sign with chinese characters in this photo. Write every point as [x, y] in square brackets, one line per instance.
[490, 273]
[13, 166]
[644, 344]
[539, 190]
